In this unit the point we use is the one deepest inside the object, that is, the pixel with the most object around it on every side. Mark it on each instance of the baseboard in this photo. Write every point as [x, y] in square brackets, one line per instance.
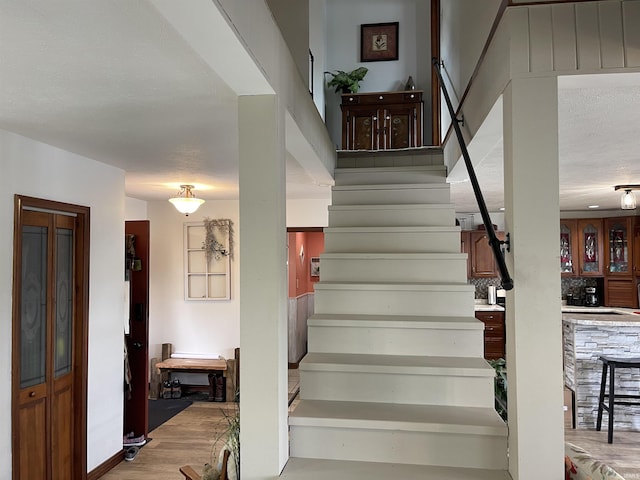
[105, 466]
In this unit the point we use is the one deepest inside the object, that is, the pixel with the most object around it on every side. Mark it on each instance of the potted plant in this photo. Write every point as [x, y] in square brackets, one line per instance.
[347, 82]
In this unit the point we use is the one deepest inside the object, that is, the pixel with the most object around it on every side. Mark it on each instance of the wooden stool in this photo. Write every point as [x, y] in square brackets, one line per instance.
[611, 363]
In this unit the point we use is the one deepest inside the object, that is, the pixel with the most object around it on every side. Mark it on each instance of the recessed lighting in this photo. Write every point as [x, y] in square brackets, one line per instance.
[593, 206]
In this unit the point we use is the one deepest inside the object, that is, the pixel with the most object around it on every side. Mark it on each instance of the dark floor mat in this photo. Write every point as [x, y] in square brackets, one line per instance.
[162, 410]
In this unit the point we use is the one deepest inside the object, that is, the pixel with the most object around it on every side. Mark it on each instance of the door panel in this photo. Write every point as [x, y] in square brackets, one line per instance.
[49, 426]
[62, 428]
[33, 444]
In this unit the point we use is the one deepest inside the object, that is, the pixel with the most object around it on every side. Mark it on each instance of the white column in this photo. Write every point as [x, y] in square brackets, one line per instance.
[263, 288]
[534, 320]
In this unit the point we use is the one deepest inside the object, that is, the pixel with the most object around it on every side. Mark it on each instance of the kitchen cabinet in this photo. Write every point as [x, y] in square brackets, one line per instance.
[569, 247]
[494, 334]
[619, 247]
[619, 284]
[382, 120]
[636, 249]
[482, 261]
[620, 292]
[590, 247]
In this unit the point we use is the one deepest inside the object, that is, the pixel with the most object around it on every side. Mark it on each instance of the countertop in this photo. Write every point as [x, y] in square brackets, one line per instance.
[483, 306]
[611, 316]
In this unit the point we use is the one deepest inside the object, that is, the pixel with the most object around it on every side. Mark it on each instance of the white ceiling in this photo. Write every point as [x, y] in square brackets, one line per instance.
[115, 82]
[599, 147]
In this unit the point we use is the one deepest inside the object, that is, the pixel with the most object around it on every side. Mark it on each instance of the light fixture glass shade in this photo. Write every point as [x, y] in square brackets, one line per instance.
[628, 200]
[186, 202]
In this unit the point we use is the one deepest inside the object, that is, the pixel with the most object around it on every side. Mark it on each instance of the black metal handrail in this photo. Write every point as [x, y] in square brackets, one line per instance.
[494, 241]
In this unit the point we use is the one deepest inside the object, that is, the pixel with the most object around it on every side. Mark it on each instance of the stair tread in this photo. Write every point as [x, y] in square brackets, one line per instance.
[424, 150]
[411, 364]
[388, 416]
[313, 469]
[398, 286]
[396, 321]
[409, 168]
[392, 186]
[394, 206]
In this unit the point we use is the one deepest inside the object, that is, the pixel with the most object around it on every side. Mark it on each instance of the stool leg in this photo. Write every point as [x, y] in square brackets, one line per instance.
[612, 383]
[603, 384]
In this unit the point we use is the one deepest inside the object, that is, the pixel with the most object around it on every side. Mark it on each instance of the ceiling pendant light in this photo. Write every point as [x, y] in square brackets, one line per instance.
[185, 201]
[628, 199]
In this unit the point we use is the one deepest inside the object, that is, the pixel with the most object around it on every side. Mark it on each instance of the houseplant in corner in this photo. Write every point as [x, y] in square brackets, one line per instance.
[347, 82]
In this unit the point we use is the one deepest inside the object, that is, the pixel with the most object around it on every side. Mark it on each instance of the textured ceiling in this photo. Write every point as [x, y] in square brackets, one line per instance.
[599, 118]
[113, 81]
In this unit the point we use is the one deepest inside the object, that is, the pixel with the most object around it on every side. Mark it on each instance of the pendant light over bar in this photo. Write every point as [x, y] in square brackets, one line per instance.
[628, 199]
[185, 201]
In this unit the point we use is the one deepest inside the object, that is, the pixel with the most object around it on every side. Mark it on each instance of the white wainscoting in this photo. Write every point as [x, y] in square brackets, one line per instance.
[300, 309]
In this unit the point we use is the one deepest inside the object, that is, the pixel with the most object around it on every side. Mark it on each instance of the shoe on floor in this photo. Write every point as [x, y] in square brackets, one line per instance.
[131, 453]
[134, 441]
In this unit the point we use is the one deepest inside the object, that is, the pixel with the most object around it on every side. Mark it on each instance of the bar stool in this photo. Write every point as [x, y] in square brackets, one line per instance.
[612, 363]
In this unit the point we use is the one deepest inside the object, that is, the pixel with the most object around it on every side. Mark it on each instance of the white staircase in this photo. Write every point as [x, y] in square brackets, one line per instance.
[394, 384]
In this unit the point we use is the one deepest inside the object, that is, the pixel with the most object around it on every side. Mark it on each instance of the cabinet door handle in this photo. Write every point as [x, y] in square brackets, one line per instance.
[32, 394]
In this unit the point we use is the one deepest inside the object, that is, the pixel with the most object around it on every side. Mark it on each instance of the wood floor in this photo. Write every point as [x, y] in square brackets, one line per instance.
[187, 439]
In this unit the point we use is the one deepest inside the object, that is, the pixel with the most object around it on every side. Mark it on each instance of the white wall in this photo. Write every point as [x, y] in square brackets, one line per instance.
[312, 212]
[135, 209]
[343, 50]
[35, 169]
[317, 41]
[208, 327]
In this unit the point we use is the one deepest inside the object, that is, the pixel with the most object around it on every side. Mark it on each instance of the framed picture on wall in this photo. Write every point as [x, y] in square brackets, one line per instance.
[378, 42]
[315, 266]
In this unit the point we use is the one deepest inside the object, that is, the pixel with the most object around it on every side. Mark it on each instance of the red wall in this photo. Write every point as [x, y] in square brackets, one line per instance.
[312, 245]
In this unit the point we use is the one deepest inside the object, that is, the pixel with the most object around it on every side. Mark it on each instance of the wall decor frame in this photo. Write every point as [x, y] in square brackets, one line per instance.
[378, 42]
[207, 277]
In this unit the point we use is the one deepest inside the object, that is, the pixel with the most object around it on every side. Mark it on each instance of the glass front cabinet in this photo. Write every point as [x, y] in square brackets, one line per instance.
[590, 248]
[619, 246]
[568, 247]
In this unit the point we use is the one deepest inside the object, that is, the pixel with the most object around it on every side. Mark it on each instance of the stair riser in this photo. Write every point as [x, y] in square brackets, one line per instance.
[391, 196]
[411, 389]
[389, 270]
[391, 160]
[380, 302]
[351, 177]
[393, 446]
[396, 341]
[394, 217]
[390, 242]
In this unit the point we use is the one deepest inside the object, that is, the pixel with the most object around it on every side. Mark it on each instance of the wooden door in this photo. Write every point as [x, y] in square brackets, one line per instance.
[362, 128]
[49, 344]
[136, 410]
[400, 129]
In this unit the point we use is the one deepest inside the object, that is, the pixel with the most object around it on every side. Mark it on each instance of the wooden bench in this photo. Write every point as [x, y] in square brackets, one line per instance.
[195, 365]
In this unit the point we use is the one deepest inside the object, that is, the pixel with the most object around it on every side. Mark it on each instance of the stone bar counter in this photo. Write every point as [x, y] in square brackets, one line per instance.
[587, 334]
